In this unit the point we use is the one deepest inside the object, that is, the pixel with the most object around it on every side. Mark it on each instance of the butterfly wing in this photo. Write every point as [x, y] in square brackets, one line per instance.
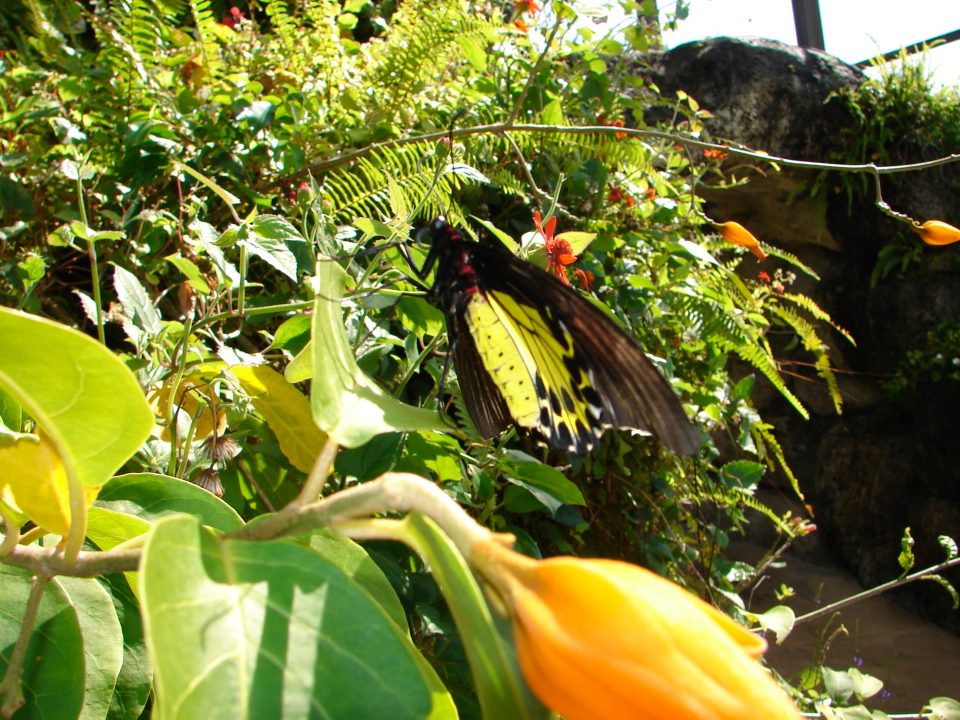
[607, 378]
[483, 400]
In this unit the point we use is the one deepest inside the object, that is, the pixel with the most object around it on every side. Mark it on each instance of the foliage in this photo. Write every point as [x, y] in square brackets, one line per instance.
[219, 203]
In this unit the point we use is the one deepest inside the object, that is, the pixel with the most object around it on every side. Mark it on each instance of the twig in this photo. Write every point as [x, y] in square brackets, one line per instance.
[11, 688]
[53, 561]
[500, 128]
[532, 75]
[919, 575]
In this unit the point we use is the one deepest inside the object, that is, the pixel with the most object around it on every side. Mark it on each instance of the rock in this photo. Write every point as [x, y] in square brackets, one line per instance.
[889, 461]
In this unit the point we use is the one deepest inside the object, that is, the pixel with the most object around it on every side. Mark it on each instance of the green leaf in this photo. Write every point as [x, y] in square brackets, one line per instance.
[150, 497]
[948, 544]
[432, 455]
[102, 643]
[77, 390]
[108, 528]
[53, 676]
[474, 51]
[266, 236]
[864, 686]
[744, 474]
[292, 335]
[240, 629]
[259, 114]
[136, 301]
[371, 459]
[906, 557]
[838, 684]
[346, 403]
[496, 675]
[191, 272]
[778, 619]
[943, 708]
[136, 676]
[354, 562]
[227, 197]
[552, 114]
[547, 484]
[946, 585]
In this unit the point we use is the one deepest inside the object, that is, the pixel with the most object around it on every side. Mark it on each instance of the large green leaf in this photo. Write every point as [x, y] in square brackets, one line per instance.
[136, 676]
[53, 675]
[150, 496]
[501, 691]
[240, 629]
[102, 643]
[354, 562]
[346, 403]
[81, 393]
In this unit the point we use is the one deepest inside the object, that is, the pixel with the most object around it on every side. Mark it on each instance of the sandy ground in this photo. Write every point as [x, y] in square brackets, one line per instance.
[914, 658]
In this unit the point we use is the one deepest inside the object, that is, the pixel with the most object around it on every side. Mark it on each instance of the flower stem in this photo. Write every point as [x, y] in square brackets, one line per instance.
[391, 492]
[919, 575]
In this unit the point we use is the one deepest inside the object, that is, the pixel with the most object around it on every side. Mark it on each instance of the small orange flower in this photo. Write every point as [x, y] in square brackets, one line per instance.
[521, 25]
[937, 232]
[734, 232]
[714, 154]
[530, 6]
[605, 639]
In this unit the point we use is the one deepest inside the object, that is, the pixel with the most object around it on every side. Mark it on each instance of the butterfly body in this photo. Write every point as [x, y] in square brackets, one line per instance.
[530, 350]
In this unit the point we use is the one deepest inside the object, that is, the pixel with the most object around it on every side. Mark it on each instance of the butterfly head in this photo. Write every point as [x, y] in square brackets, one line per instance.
[437, 229]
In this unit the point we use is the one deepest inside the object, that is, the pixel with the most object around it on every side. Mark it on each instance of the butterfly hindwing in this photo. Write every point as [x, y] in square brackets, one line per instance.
[536, 368]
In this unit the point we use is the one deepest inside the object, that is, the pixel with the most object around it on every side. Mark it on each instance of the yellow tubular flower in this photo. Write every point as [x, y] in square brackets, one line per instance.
[937, 232]
[734, 232]
[606, 640]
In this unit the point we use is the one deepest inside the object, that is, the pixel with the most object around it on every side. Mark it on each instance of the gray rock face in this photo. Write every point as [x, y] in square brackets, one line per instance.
[886, 463]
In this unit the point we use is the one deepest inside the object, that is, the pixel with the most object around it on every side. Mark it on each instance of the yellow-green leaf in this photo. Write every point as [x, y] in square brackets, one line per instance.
[32, 470]
[287, 412]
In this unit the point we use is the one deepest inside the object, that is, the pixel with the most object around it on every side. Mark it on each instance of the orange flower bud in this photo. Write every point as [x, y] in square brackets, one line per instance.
[737, 234]
[937, 232]
[605, 639]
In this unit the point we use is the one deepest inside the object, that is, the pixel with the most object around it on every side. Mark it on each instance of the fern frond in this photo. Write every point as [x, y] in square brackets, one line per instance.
[421, 42]
[363, 188]
[209, 48]
[748, 499]
[813, 344]
[792, 259]
[763, 362]
[817, 312]
[768, 445]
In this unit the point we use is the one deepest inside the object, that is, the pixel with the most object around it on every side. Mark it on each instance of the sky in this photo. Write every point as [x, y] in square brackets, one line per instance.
[853, 30]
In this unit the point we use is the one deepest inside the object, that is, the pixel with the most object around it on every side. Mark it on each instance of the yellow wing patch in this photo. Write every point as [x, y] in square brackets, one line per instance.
[536, 369]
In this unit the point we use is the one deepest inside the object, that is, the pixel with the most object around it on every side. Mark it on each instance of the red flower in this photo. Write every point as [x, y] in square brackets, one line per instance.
[530, 6]
[233, 17]
[559, 252]
[616, 195]
[763, 277]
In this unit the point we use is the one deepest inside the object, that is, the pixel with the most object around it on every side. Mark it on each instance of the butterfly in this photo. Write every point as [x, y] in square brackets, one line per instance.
[530, 350]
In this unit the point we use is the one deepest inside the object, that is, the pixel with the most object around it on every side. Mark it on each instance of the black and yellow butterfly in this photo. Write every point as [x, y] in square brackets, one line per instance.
[530, 350]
